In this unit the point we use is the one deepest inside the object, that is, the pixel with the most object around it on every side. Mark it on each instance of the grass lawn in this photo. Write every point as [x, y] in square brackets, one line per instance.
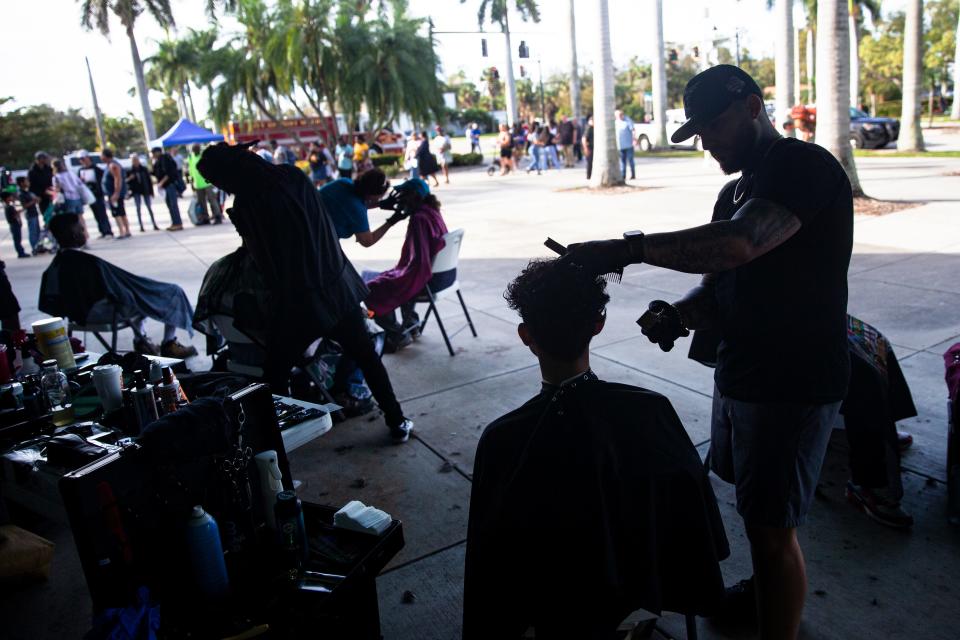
[883, 153]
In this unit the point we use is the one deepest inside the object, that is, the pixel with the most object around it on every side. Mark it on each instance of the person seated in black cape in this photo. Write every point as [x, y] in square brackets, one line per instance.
[89, 291]
[315, 291]
[589, 501]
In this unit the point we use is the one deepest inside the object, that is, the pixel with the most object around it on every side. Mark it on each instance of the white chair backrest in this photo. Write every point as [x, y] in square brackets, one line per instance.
[228, 331]
[450, 254]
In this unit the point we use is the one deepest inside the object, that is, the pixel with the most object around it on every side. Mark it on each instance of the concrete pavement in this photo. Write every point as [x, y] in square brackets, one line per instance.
[865, 580]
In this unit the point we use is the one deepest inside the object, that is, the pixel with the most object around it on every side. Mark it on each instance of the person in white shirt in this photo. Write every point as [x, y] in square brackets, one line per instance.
[442, 149]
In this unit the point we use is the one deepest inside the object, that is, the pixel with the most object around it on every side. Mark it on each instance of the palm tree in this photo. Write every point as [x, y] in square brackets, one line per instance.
[659, 78]
[856, 8]
[574, 67]
[97, 13]
[955, 109]
[499, 14]
[833, 85]
[911, 137]
[606, 167]
[169, 70]
[784, 61]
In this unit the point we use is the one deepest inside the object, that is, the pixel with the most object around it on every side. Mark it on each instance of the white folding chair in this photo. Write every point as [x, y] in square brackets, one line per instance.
[444, 268]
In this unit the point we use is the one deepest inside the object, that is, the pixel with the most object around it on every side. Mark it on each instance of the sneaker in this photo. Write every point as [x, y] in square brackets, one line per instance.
[904, 440]
[394, 343]
[875, 505]
[401, 432]
[23, 255]
[175, 227]
[145, 347]
[739, 606]
[173, 349]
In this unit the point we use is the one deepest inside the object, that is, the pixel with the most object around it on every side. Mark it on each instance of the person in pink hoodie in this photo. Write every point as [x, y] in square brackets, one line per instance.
[397, 287]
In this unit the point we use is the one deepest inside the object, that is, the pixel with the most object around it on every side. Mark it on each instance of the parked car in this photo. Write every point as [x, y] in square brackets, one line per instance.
[646, 133]
[872, 133]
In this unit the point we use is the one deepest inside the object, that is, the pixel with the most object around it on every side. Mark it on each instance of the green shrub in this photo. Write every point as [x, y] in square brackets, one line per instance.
[480, 116]
[467, 159]
[385, 159]
[392, 170]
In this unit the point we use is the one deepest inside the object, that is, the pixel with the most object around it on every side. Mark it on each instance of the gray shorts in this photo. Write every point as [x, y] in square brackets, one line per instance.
[772, 453]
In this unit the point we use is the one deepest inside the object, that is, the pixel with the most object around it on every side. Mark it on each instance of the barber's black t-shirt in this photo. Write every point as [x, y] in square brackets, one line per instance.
[783, 315]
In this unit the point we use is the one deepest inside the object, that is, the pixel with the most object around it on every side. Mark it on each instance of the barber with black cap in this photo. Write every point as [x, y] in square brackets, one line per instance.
[774, 259]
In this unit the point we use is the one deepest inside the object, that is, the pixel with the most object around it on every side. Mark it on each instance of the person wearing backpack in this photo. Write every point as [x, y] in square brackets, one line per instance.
[167, 175]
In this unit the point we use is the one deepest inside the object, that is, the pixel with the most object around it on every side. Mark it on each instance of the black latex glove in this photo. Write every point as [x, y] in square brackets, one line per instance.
[600, 256]
[662, 324]
[390, 202]
[397, 217]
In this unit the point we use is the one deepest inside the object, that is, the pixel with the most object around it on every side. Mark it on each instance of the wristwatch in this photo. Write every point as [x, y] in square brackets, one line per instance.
[634, 245]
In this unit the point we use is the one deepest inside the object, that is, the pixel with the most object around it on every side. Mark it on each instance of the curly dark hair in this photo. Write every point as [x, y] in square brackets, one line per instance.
[560, 303]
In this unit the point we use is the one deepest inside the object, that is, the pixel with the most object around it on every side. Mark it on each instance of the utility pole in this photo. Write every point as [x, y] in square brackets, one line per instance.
[543, 109]
[574, 68]
[102, 139]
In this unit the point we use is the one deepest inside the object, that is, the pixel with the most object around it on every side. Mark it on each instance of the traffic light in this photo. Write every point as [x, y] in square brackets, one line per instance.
[696, 52]
[672, 55]
[494, 73]
[524, 49]
[523, 72]
[483, 47]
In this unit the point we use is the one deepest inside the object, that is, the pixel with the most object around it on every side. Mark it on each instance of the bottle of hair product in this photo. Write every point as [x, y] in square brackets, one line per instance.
[56, 390]
[206, 554]
[143, 400]
[169, 391]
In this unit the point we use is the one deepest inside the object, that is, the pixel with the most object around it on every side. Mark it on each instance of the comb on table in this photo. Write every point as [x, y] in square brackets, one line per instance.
[614, 277]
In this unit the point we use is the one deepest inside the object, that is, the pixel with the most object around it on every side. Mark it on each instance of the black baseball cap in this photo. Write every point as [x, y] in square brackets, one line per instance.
[709, 93]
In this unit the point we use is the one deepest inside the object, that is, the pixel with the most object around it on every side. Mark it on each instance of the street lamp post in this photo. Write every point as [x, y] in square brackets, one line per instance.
[543, 109]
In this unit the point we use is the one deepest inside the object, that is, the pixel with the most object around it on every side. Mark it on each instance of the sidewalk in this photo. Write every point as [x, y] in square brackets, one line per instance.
[865, 581]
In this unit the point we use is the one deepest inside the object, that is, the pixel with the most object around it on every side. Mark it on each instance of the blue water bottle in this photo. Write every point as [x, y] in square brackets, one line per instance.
[206, 554]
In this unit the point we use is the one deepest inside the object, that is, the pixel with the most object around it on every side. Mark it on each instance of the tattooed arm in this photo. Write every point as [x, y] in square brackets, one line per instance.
[758, 227]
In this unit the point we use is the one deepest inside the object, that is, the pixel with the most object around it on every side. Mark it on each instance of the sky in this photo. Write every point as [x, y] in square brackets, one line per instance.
[50, 69]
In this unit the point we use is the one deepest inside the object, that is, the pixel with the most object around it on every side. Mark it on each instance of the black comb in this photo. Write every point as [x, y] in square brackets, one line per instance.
[615, 277]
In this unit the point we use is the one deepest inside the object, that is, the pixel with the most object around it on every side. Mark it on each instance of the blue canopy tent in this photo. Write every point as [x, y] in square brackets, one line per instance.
[185, 132]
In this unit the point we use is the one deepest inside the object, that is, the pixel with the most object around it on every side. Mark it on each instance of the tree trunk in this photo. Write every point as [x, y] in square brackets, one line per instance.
[797, 86]
[101, 138]
[833, 85]
[149, 130]
[193, 111]
[854, 60]
[511, 96]
[955, 110]
[574, 68]
[911, 137]
[811, 70]
[659, 79]
[606, 165]
[784, 64]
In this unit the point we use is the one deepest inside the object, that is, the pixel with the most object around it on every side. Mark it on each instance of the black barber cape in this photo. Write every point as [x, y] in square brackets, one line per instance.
[291, 239]
[589, 502]
[76, 280]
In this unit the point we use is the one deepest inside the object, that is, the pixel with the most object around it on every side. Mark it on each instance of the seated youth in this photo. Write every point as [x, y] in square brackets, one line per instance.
[589, 501]
[87, 290]
[398, 287]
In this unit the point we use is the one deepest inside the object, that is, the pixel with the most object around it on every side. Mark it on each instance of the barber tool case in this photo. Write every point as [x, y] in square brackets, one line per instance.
[127, 511]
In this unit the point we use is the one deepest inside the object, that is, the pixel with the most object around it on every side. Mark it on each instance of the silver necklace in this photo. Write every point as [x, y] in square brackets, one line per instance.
[738, 198]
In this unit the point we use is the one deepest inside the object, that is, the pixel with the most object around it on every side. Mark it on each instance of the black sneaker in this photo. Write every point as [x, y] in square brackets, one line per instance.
[875, 505]
[738, 607]
[145, 347]
[401, 432]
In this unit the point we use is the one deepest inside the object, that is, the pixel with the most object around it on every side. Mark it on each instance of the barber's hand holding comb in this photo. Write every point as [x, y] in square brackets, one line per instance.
[600, 256]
